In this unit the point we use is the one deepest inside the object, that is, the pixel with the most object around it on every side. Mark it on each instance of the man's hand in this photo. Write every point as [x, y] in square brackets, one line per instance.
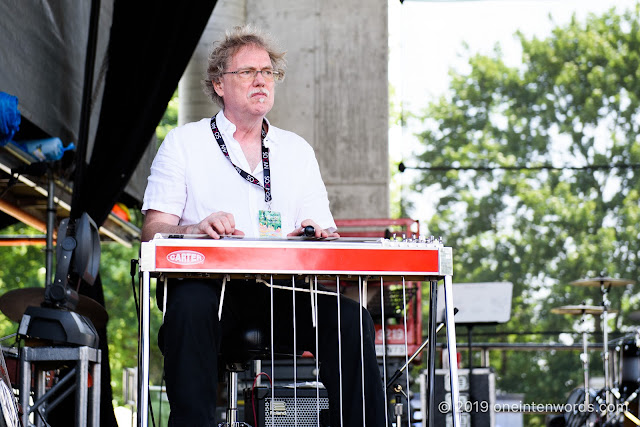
[215, 225]
[320, 232]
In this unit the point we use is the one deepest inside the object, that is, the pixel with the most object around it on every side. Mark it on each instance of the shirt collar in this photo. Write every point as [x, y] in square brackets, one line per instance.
[224, 124]
[228, 128]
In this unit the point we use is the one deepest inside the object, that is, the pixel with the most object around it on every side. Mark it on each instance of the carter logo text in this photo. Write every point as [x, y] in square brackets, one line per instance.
[185, 257]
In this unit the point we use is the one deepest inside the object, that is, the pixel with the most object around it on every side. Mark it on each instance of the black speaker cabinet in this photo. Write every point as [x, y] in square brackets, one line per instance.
[301, 409]
[477, 397]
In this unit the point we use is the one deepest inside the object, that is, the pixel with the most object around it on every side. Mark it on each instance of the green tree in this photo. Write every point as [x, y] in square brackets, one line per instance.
[169, 119]
[574, 103]
[22, 267]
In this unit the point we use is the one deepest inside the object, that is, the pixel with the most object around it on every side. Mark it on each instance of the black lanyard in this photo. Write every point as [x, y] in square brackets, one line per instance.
[250, 178]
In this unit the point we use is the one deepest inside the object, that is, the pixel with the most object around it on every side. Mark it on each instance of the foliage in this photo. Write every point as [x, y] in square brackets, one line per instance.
[169, 119]
[122, 329]
[22, 267]
[573, 103]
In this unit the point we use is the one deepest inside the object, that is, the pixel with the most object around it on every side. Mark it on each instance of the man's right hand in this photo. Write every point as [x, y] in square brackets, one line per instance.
[215, 225]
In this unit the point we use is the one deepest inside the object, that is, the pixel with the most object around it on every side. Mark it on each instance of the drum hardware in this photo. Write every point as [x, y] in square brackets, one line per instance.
[605, 284]
[580, 417]
[627, 379]
[9, 415]
[628, 373]
[632, 418]
[583, 310]
[631, 397]
[625, 404]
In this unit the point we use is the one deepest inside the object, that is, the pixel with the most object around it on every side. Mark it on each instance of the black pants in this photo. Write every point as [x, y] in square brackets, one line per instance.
[193, 336]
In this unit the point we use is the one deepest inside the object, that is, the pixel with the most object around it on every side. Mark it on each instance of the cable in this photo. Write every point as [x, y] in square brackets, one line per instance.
[160, 396]
[253, 403]
[497, 334]
[402, 167]
[134, 263]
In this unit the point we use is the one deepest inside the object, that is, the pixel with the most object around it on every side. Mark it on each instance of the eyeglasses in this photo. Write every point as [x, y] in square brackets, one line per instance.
[251, 73]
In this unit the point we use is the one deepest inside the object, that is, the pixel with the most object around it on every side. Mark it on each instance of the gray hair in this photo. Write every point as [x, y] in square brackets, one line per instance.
[224, 50]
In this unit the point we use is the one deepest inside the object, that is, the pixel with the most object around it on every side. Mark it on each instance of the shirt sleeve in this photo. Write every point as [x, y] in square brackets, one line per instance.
[314, 200]
[166, 186]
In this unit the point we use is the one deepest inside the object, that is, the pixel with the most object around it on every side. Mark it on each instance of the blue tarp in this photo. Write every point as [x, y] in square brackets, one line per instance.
[9, 117]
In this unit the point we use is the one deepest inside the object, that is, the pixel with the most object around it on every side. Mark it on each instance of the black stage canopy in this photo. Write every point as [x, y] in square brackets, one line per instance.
[149, 48]
[141, 51]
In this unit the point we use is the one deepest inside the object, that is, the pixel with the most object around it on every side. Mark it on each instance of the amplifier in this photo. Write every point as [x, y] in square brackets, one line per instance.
[300, 409]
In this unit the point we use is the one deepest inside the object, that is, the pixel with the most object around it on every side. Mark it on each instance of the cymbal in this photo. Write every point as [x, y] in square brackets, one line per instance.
[14, 303]
[580, 309]
[598, 281]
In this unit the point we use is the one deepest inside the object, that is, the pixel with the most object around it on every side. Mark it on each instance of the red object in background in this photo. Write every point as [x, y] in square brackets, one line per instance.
[378, 227]
[395, 333]
[394, 296]
[12, 360]
[121, 211]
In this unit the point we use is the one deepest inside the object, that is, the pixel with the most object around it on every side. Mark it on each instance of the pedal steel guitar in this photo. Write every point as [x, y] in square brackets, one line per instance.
[374, 260]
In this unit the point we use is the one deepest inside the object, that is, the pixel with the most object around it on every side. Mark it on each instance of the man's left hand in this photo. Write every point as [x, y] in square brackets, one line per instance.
[320, 232]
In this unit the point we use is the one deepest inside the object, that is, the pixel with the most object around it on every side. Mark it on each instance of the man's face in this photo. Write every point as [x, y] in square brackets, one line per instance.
[253, 96]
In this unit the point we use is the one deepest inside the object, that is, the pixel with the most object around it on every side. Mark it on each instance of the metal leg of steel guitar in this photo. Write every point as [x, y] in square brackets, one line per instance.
[451, 346]
[143, 350]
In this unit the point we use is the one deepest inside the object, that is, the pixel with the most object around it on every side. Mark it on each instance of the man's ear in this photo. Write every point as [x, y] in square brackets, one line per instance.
[218, 86]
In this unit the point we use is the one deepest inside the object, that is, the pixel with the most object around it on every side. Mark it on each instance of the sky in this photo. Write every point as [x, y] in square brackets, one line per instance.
[426, 40]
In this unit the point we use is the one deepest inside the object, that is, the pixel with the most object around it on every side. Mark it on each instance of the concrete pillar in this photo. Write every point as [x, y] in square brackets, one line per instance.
[193, 103]
[335, 94]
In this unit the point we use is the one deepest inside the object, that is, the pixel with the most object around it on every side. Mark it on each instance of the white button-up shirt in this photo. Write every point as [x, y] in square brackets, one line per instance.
[191, 178]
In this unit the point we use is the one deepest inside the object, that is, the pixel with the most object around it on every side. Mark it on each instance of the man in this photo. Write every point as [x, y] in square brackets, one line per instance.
[236, 174]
